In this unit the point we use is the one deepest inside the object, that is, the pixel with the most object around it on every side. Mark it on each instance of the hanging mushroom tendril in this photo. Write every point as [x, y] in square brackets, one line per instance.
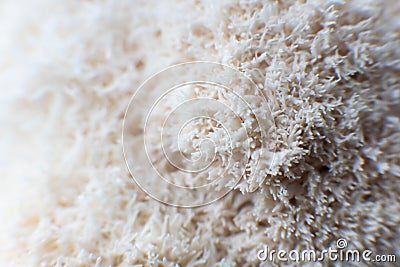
[197, 128]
